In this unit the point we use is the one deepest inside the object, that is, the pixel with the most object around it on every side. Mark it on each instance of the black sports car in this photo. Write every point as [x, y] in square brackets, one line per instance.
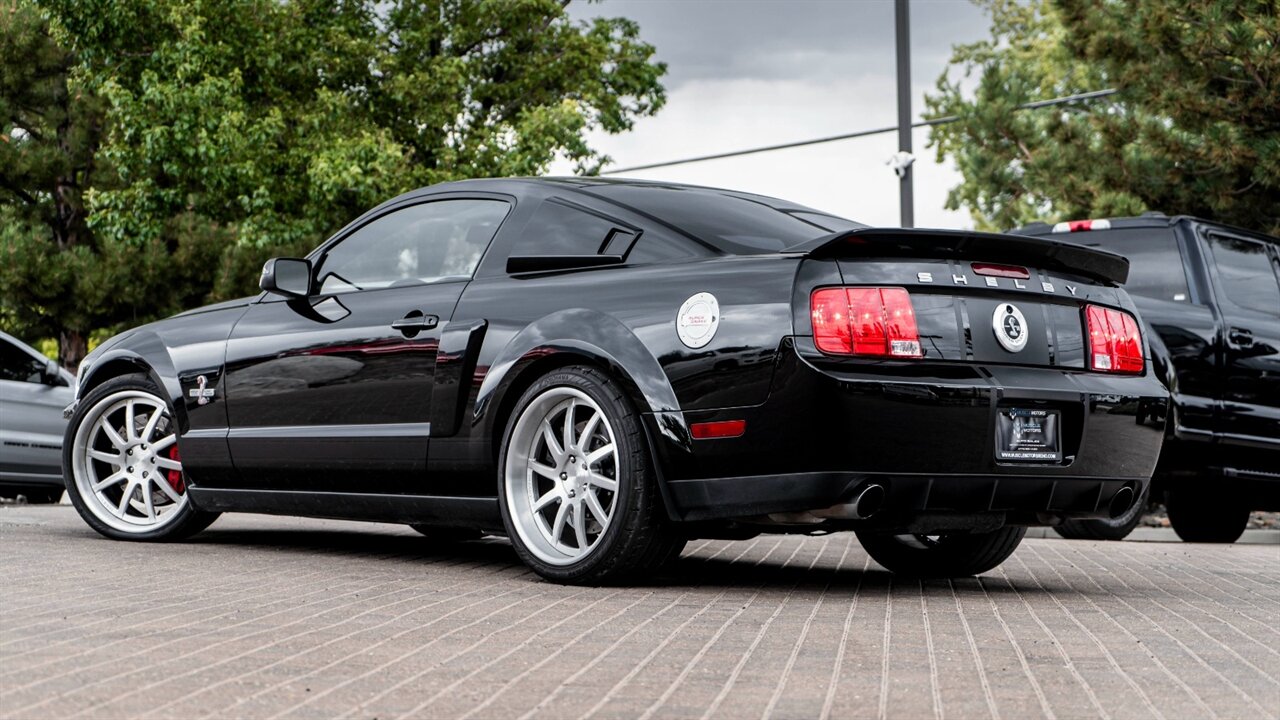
[601, 370]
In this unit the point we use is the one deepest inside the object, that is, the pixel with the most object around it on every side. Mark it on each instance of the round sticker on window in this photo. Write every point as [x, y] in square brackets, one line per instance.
[698, 319]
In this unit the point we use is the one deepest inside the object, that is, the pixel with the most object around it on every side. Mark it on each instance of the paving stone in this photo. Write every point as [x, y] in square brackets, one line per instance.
[266, 617]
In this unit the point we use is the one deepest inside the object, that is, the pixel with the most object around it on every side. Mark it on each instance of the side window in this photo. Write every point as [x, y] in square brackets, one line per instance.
[1244, 266]
[557, 228]
[424, 243]
[16, 364]
[1155, 262]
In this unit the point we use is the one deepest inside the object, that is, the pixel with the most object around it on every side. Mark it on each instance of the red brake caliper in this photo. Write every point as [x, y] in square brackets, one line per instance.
[175, 476]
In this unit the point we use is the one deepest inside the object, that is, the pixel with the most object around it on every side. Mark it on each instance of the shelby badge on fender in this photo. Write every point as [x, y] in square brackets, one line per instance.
[604, 369]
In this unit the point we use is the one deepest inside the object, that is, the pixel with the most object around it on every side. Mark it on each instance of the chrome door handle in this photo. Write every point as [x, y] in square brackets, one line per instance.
[415, 321]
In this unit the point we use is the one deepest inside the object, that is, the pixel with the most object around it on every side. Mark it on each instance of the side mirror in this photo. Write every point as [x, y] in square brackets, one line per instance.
[290, 277]
[52, 374]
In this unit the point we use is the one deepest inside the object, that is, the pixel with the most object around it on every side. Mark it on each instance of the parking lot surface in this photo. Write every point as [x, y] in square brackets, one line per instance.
[264, 617]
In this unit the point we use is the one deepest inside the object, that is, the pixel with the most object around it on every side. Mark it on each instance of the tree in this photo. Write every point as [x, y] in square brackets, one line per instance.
[239, 130]
[1195, 127]
[50, 129]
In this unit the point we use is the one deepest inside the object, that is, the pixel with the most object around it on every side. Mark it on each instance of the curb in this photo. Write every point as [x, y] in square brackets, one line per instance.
[1150, 534]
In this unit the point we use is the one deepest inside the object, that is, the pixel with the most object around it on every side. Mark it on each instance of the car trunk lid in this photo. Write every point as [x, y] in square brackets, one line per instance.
[983, 298]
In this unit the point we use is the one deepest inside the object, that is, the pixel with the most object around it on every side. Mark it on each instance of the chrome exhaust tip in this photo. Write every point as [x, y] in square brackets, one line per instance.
[867, 502]
[1121, 502]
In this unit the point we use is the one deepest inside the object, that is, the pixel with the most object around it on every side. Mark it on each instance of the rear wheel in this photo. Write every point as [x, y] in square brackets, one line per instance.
[1199, 514]
[942, 556]
[577, 490]
[124, 472]
[1105, 528]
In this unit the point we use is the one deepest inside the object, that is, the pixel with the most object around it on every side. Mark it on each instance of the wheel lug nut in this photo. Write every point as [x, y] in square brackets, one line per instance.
[573, 459]
[130, 470]
[564, 476]
[130, 451]
[144, 473]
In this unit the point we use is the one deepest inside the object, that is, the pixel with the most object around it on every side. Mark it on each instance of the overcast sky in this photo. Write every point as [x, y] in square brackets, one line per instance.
[745, 73]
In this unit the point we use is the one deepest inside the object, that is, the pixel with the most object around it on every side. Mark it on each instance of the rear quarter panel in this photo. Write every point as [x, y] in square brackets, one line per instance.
[624, 319]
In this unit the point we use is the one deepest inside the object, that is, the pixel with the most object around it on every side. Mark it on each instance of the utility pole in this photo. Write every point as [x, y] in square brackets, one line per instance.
[903, 162]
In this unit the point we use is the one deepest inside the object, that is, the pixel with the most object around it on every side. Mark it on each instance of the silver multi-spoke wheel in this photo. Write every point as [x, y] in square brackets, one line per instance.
[125, 462]
[561, 475]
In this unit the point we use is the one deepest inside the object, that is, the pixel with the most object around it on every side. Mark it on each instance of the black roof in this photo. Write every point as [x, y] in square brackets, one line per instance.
[599, 186]
[1146, 220]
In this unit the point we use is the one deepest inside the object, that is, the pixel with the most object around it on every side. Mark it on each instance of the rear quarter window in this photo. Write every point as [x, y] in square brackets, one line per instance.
[558, 228]
[733, 224]
[561, 228]
[1156, 269]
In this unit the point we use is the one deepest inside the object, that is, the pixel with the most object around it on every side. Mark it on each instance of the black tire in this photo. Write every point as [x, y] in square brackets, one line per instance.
[637, 541]
[187, 520]
[942, 556]
[447, 534]
[1105, 528]
[1198, 514]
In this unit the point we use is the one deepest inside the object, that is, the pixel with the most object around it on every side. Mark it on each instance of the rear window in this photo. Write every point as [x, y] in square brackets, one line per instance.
[1155, 262]
[737, 225]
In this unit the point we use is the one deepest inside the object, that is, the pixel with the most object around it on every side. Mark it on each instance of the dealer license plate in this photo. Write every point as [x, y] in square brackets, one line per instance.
[1028, 435]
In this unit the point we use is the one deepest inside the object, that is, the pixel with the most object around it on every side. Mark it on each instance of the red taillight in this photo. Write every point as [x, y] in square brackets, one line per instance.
[1005, 271]
[719, 429]
[865, 321]
[1115, 343]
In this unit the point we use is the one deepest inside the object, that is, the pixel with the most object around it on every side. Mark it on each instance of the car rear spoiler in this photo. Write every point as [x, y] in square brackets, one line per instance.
[962, 245]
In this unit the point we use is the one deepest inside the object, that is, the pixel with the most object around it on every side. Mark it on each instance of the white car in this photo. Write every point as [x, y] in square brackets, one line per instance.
[33, 392]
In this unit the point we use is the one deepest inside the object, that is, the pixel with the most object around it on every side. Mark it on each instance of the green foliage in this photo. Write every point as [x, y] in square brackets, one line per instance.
[225, 132]
[286, 120]
[1195, 128]
[50, 128]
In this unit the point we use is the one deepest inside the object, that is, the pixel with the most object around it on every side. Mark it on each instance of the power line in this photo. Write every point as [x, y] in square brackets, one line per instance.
[1080, 97]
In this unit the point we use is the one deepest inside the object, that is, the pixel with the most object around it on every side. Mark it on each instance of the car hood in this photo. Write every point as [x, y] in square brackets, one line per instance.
[238, 302]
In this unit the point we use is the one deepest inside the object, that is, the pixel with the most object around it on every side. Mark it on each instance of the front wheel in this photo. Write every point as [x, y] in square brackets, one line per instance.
[942, 556]
[124, 473]
[577, 489]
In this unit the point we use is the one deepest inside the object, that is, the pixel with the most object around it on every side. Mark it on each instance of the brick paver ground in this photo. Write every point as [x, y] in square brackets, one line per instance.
[286, 618]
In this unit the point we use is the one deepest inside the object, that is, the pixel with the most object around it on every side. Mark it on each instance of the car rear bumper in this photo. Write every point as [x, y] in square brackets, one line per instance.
[906, 496]
[926, 431]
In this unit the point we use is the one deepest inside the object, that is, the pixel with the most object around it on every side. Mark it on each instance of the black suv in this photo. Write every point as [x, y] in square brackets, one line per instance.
[1211, 293]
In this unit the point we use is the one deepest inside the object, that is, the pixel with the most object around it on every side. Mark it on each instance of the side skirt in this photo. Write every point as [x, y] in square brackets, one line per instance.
[479, 513]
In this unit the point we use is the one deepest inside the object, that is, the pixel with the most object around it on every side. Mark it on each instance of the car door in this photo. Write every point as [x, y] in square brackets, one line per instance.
[333, 392]
[31, 423]
[1248, 292]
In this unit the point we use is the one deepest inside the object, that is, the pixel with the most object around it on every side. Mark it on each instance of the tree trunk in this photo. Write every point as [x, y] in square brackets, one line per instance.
[73, 345]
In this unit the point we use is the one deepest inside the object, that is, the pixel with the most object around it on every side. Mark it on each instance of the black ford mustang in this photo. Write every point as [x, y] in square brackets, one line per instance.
[601, 370]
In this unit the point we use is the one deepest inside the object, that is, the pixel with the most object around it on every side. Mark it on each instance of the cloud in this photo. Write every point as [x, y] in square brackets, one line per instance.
[746, 74]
